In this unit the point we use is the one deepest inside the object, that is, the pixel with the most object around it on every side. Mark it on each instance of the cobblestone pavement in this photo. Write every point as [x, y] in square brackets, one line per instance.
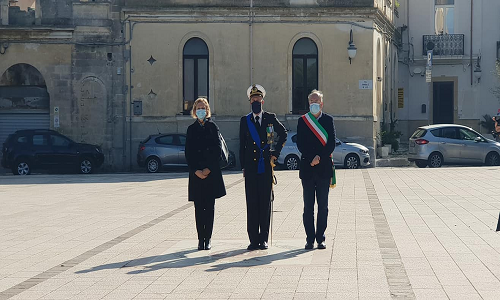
[402, 233]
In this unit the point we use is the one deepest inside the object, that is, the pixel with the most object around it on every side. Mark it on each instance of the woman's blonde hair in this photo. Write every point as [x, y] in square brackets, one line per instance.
[193, 110]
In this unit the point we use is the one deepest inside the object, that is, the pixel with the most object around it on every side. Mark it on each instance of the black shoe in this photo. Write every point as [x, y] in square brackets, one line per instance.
[208, 244]
[263, 246]
[252, 247]
[201, 245]
[322, 245]
[309, 246]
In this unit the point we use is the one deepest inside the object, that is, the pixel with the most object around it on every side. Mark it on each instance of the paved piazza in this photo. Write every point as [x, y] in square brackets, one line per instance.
[403, 233]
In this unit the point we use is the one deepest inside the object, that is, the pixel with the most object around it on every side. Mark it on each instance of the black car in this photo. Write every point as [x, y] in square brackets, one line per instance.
[26, 150]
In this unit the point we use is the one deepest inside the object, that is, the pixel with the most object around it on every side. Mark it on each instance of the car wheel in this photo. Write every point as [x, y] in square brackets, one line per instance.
[435, 160]
[493, 159]
[86, 166]
[22, 167]
[421, 163]
[292, 162]
[153, 165]
[351, 161]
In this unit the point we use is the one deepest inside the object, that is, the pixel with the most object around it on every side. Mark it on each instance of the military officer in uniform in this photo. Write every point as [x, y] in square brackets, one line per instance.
[257, 149]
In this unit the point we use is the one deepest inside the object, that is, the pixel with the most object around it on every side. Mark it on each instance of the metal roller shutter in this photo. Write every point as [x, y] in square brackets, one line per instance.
[11, 122]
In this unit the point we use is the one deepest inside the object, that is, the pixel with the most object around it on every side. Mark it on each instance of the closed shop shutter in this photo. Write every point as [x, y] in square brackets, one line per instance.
[11, 122]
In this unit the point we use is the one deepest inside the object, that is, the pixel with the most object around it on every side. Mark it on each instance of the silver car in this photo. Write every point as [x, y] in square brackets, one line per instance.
[436, 145]
[167, 151]
[349, 155]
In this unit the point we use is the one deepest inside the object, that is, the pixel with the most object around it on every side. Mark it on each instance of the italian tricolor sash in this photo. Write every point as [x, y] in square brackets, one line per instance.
[316, 128]
[322, 136]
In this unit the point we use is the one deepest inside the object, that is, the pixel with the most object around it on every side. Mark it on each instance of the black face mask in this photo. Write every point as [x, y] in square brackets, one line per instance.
[256, 107]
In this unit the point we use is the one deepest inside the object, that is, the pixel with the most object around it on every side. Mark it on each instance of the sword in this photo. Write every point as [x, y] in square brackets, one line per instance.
[270, 141]
[275, 181]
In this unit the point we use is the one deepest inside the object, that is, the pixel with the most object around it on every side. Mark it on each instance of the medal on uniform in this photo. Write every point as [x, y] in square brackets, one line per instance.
[270, 136]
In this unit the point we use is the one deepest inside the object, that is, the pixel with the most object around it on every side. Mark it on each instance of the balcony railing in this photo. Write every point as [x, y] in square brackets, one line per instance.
[445, 44]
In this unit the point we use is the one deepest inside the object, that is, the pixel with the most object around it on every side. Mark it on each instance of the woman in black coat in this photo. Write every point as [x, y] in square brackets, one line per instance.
[203, 152]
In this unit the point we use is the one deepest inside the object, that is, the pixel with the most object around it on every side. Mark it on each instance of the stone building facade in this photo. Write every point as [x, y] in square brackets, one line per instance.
[61, 63]
[464, 37]
[119, 71]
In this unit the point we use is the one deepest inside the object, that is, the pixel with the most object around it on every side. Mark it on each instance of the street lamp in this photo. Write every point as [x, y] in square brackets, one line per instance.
[477, 70]
[351, 50]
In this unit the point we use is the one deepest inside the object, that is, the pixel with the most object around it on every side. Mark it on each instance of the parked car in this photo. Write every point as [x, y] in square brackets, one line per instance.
[348, 155]
[436, 145]
[162, 151]
[27, 150]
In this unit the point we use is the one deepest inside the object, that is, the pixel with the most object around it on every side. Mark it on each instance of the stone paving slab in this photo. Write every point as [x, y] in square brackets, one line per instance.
[402, 233]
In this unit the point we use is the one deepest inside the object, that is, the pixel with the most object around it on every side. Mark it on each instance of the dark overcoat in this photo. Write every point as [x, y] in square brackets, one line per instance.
[203, 150]
[310, 146]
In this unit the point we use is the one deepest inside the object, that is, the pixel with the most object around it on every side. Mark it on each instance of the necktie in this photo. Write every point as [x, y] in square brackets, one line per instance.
[257, 124]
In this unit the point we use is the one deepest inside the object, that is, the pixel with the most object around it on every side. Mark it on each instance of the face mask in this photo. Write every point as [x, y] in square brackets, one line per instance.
[201, 114]
[256, 107]
[315, 108]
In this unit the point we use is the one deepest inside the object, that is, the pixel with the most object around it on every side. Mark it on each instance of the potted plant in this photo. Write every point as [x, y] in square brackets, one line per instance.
[391, 138]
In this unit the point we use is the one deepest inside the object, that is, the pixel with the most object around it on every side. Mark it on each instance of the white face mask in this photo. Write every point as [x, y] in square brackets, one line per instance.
[315, 108]
[201, 114]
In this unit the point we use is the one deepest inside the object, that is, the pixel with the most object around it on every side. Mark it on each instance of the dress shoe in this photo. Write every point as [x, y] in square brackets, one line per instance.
[322, 245]
[201, 245]
[208, 244]
[263, 246]
[252, 247]
[309, 246]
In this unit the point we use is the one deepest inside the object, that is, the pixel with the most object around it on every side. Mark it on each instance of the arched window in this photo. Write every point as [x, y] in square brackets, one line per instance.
[304, 74]
[195, 70]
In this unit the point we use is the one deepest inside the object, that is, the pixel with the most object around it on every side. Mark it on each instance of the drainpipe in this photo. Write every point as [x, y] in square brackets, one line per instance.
[124, 109]
[471, 27]
[250, 21]
[130, 98]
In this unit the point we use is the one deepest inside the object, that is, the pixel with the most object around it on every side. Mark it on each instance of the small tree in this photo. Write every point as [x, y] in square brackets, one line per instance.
[488, 123]
[496, 90]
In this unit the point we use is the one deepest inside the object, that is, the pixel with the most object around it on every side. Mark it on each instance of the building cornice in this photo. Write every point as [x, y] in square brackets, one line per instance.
[385, 26]
[33, 34]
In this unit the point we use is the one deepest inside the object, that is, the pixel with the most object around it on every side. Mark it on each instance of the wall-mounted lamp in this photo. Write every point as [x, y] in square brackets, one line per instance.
[498, 51]
[351, 50]
[3, 48]
[477, 70]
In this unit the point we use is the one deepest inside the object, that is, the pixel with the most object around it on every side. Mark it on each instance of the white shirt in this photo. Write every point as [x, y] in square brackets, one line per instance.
[260, 117]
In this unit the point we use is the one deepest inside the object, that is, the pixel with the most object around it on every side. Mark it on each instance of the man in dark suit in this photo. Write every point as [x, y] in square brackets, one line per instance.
[316, 142]
[257, 130]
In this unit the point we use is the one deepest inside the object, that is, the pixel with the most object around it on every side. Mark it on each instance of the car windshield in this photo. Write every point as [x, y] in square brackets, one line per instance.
[466, 134]
[9, 138]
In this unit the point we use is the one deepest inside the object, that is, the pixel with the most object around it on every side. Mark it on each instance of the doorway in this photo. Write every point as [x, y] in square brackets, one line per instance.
[443, 100]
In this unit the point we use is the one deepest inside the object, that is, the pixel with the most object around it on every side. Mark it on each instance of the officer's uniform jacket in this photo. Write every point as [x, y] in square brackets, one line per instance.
[250, 153]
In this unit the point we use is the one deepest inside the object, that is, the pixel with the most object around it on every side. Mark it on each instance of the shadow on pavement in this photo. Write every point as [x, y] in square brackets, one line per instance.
[171, 260]
[258, 260]
[180, 260]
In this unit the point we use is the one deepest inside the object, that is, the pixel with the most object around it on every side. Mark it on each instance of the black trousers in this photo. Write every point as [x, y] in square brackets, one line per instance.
[318, 188]
[204, 211]
[258, 190]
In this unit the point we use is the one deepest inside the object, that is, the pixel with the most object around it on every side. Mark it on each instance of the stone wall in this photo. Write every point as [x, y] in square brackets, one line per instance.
[246, 3]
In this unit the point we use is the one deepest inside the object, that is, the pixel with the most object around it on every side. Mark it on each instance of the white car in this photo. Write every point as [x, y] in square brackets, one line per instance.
[348, 155]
